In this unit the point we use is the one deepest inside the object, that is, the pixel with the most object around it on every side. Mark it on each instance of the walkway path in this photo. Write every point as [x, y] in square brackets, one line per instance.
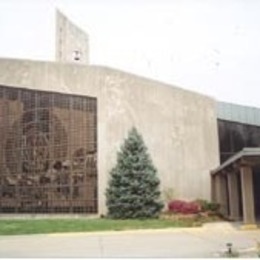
[206, 241]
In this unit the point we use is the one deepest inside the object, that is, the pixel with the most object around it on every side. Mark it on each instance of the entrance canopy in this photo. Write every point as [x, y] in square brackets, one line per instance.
[233, 187]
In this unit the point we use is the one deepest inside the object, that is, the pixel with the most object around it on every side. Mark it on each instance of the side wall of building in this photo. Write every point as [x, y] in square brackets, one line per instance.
[179, 127]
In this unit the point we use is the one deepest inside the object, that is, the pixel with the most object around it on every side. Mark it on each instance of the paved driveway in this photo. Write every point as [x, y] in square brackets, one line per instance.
[206, 241]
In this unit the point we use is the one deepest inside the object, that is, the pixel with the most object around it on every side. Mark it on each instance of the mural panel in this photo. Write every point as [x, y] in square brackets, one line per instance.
[48, 152]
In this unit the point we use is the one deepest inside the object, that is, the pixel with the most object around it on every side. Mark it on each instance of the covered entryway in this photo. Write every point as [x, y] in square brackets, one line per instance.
[236, 186]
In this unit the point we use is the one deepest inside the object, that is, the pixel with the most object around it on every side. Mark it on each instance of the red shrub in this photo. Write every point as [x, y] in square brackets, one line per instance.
[184, 207]
[176, 206]
[191, 208]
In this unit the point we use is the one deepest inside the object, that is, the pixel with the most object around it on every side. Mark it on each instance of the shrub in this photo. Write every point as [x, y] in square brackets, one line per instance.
[176, 206]
[191, 208]
[184, 207]
[207, 206]
[203, 204]
[213, 206]
[133, 189]
[168, 194]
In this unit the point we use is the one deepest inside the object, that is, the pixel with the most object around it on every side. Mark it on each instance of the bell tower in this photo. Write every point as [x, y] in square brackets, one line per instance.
[71, 42]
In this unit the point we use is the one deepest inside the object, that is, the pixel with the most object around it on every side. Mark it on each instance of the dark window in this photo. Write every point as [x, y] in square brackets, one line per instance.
[234, 136]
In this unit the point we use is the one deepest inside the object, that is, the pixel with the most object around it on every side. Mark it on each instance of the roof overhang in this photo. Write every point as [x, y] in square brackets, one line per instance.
[247, 156]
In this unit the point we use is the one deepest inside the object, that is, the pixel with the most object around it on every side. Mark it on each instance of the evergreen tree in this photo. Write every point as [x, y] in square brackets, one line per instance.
[133, 190]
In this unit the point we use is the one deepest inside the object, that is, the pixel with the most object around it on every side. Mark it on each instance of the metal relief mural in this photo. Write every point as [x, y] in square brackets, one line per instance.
[48, 155]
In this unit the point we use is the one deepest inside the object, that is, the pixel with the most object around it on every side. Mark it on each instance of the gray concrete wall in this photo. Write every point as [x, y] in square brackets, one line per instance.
[178, 126]
[70, 39]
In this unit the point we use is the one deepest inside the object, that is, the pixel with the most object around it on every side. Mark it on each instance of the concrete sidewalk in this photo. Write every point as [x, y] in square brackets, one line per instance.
[207, 241]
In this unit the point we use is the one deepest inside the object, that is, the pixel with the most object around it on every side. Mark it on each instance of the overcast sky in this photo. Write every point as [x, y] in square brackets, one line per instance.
[212, 47]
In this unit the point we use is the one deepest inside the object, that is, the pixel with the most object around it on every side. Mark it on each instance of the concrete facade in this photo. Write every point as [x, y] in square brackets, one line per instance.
[178, 126]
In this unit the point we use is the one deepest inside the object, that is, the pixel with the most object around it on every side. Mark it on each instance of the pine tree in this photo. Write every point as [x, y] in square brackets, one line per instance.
[133, 190]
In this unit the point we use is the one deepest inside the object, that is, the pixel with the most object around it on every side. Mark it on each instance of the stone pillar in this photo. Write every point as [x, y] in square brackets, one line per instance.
[217, 189]
[247, 195]
[221, 194]
[233, 196]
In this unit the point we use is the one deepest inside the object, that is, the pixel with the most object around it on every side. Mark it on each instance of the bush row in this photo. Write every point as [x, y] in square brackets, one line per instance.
[191, 207]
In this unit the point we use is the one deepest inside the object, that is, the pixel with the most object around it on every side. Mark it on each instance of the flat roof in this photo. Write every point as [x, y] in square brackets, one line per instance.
[237, 113]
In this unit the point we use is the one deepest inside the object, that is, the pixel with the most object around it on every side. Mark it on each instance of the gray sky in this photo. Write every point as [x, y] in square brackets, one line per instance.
[210, 46]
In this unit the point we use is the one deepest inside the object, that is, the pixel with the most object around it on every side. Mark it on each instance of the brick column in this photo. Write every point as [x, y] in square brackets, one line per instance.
[233, 196]
[247, 195]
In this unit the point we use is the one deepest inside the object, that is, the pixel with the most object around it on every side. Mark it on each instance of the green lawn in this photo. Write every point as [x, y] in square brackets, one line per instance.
[43, 226]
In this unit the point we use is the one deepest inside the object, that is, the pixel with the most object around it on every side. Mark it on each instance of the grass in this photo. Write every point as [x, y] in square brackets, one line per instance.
[43, 226]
